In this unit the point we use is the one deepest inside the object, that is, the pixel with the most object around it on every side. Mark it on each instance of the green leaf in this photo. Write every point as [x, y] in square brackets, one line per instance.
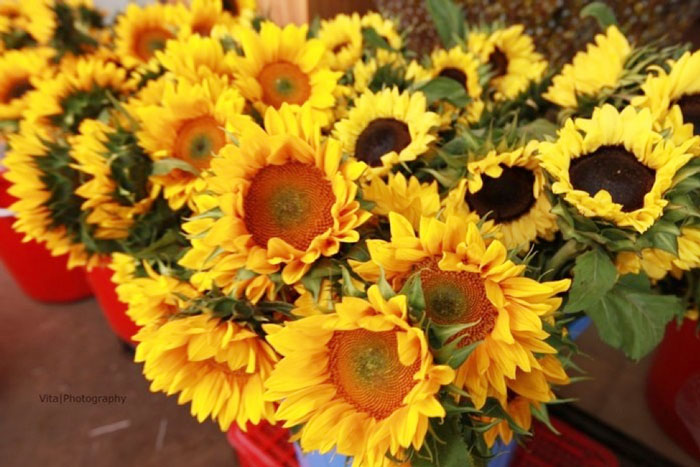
[663, 235]
[632, 317]
[594, 275]
[448, 20]
[445, 89]
[601, 12]
[452, 450]
[372, 38]
[324, 269]
[165, 166]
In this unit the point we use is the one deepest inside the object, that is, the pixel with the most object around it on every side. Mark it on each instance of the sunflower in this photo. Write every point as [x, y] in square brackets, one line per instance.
[47, 209]
[67, 25]
[283, 66]
[410, 198]
[512, 57]
[141, 31]
[386, 28]
[614, 166]
[387, 128]
[599, 67]
[679, 87]
[360, 380]
[285, 199]
[657, 263]
[457, 65]
[201, 16]
[186, 129]
[342, 37]
[151, 298]
[242, 10]
[82, 88]
[218, 366]
[525, 392]
[365, 73]
[467, 278]
[20, 71]
[111, 208]
[508, 187]
[196, 58]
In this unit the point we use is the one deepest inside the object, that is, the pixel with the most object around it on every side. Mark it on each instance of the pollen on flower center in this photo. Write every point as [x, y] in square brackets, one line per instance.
[457, 297]
[499, 62]
[615, 170]
[198, 139]
[690, 108]
[507, 197]
[366, 370]
[149, 41]
[292, 201]
[456, 75]
[380, 137]
[284, 82]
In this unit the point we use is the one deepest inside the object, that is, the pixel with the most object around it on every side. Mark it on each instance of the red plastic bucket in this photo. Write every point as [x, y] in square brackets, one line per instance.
[100, 279]
[41, 276]
[263, 445]
[673, 387]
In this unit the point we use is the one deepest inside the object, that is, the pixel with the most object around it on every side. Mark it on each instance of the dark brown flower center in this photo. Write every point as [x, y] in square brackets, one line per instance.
[690, 107]
[499, 62]
[381, 136]
[455, 74]
[507, 197]
[231, 6]
[17, 90]
[615, 170]
[340, 46]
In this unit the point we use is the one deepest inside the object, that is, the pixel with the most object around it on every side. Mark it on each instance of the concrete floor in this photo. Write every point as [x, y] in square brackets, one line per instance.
[50, 349]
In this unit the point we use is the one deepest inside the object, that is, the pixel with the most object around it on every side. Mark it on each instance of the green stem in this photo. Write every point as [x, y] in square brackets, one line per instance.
[567, 252]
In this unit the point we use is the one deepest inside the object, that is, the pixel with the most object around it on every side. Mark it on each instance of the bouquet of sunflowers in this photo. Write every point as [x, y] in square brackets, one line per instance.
[315, 226]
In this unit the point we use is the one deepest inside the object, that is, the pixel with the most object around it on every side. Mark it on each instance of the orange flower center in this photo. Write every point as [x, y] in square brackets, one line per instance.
[458, 297]
[284, 82]
[203, 28]
[198, 139]
[149, 40]
[380, 137]
[17, 89]
[366, 370]
[292, 201]
[615, 170]
[505, 198]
